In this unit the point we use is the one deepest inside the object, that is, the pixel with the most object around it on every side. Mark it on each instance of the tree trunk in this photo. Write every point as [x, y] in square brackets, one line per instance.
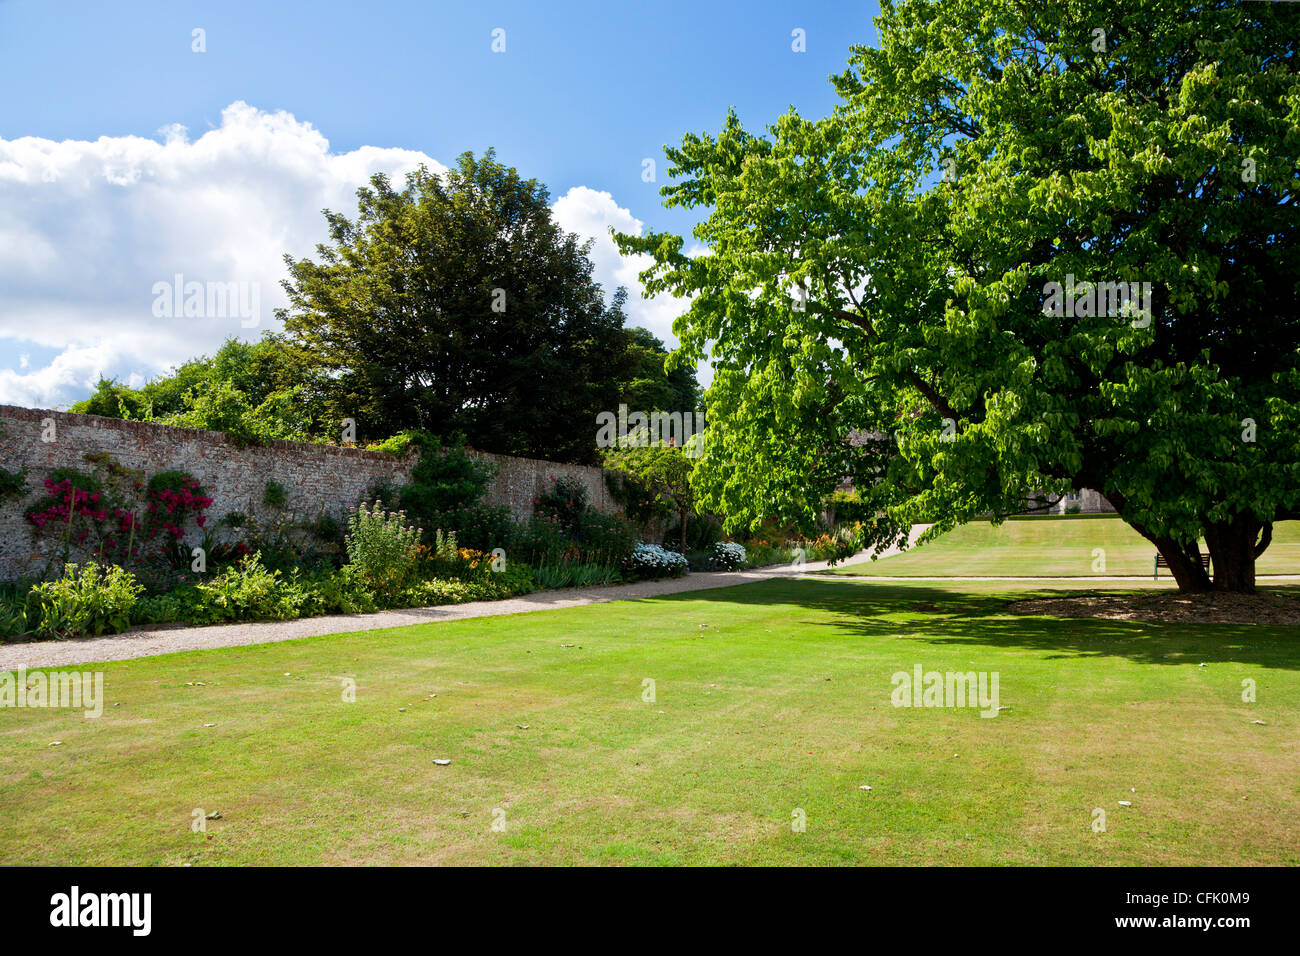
[684, 516]
[1184, 563]
[1233, 547]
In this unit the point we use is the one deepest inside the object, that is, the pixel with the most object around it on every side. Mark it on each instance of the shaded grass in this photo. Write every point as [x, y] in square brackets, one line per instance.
[1052, 547]
[780, 702]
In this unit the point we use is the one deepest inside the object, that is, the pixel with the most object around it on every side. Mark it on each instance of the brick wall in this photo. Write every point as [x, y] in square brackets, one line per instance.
[318, 478]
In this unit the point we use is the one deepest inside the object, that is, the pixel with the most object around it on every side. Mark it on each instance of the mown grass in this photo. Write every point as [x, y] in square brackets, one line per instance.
[769, 698]
[1053, 547]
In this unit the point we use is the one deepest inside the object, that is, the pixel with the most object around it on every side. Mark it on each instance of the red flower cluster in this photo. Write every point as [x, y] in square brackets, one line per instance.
[67, 501]
[166, 511]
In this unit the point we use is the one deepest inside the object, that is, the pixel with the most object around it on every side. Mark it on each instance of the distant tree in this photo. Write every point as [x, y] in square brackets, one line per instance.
[252, 390]
[649, 385]
[456, 304]
[662, 470]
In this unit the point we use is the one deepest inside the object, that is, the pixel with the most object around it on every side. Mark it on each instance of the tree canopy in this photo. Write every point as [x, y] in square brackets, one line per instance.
[457, 304]
[887, 272]
[250, 390]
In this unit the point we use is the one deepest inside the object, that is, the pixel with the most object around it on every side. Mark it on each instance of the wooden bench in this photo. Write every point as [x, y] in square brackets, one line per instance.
[1162, 563]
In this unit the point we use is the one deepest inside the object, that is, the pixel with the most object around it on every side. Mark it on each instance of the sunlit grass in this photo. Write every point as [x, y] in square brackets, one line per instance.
[769, 698]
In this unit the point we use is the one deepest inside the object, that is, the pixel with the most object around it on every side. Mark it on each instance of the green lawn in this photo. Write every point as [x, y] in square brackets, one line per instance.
[771, 697]
[1052, 547]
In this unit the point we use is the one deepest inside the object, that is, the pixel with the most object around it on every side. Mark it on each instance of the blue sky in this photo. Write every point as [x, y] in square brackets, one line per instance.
[582, 94]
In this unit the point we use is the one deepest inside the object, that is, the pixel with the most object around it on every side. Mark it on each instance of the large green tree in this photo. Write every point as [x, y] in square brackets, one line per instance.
[456, 304]
[887, 271]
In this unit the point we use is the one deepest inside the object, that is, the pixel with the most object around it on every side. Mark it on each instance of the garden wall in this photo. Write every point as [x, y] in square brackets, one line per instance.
[318, 478]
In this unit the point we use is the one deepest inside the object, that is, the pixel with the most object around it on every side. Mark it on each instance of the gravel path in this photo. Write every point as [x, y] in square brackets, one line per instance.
[154, 641]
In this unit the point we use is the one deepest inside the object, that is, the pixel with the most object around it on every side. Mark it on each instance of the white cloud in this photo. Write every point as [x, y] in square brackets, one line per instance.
[90, 227]
[590, 214]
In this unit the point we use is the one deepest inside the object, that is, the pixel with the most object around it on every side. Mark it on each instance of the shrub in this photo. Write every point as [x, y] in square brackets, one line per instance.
[183, 604]
[566, 502]
[652, 561]
[444, 479]
[275, 495]
[727, 556]
[116, 515]
[834, 546]
[383, 547]
[760, 554]
[849, 507]
[579, 574]
[88, 600]
[248, 591]
[340, 591]
[702, 533]
[18, 612]
[13, 484]
[604, 538]
[478, 526]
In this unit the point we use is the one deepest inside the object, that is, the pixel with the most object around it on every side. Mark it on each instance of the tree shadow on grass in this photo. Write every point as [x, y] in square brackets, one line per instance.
[949, 615]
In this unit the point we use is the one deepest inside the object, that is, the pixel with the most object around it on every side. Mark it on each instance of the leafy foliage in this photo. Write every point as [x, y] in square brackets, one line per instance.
[882, 274]
[382, 547]
[456, 302]
[663, 471]
[88, 600]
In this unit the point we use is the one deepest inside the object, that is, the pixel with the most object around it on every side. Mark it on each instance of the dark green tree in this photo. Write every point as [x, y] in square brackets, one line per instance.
[456, 304]
[649, 384]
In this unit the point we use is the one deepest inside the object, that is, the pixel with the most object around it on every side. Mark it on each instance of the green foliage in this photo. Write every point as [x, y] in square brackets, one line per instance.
[255, 391]
[88, 600]
[702, 533]
[565, 501]
[481, 527]
[456, 302]
[761, 554]
[984, 150]
[639, 503]
[383, 547]
[221, 406]
[578, 574]
[603, 536]
[248, 591]
[663, 471]
[18, 613]
[446, 477]
[653, 384]
[848, 506]
[275, 495]
[446, 491]
[180, 605]
[13, 484]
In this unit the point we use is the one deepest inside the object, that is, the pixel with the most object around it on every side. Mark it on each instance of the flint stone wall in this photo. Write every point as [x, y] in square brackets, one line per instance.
[317, 478]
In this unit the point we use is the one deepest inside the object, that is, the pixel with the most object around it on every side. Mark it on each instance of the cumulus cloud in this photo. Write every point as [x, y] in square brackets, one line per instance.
[91, 228]
[590, 214]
